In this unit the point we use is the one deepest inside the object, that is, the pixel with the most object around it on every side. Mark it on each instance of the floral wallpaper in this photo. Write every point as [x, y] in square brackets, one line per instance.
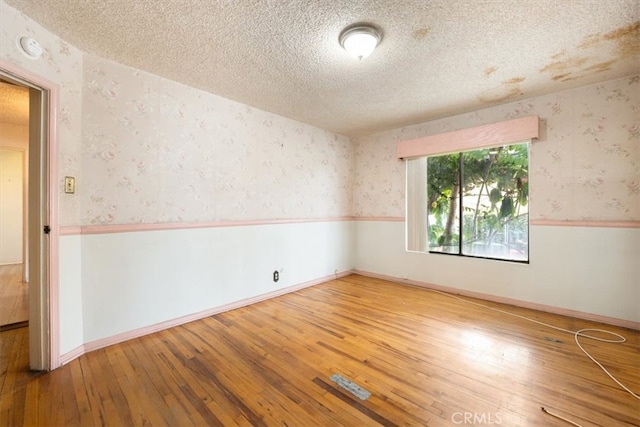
[158, 151]
[585, 166]
[62, 64]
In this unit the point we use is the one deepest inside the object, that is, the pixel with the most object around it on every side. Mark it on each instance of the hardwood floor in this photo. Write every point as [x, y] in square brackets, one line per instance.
[14, 295]
[426, 359]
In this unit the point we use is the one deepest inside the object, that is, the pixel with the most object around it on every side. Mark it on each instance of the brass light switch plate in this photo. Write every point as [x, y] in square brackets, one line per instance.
[69, 184]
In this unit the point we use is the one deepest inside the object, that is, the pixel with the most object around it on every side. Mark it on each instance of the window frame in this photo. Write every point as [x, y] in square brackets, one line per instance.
[414, 151]
[460, 208]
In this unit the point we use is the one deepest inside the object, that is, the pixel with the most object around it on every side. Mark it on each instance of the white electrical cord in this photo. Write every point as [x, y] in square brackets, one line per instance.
[553, 414]
[576, 335]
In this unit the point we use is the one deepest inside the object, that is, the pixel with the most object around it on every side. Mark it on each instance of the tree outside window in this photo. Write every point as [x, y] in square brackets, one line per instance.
[478, 203]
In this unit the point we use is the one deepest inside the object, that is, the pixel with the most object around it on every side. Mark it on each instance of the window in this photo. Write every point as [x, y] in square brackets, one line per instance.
[468, 190]
[476, 202]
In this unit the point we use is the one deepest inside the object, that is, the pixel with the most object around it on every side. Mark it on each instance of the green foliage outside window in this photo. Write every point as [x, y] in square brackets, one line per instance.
[485, 194]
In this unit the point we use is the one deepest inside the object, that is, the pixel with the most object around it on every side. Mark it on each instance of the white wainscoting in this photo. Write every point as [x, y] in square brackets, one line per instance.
[132, 280]
[593, 272]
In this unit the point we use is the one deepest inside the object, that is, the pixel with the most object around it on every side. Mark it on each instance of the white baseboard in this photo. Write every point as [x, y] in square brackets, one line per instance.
[136, 333]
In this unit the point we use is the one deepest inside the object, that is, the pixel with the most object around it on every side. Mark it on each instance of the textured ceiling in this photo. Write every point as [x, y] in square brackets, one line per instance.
[14, 104]
[437, 58]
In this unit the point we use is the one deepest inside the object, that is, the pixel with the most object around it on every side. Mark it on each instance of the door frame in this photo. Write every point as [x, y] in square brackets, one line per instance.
[44, 318]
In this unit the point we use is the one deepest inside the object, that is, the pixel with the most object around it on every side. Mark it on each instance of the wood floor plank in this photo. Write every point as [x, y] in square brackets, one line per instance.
[193, 400]
[31, 413]
[209, 401]
[426, 359]
[81, 397]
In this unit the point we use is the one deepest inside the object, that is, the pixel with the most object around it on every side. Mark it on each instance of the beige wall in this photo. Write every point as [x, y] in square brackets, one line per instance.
[14, 144]
[11, 205]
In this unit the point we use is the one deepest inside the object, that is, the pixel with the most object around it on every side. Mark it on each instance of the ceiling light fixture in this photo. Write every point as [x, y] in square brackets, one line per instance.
[360, 40]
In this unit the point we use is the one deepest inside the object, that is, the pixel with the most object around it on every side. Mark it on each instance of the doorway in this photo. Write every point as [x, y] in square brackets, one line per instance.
[14, 144]
[14, 290]
[38, 216]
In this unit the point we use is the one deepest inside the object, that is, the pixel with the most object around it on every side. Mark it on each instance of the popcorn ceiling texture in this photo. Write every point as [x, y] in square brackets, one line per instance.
[585, 166]
[14, 107]
[438, 58]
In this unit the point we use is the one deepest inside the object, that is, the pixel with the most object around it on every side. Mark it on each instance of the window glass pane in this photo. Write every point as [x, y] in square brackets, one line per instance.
[443, 198]
[495, 194]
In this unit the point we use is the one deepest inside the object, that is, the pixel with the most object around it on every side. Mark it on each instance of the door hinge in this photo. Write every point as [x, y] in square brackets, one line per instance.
[47, 229]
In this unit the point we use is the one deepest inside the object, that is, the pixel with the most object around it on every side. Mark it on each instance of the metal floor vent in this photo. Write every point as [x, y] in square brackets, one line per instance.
[350, 386]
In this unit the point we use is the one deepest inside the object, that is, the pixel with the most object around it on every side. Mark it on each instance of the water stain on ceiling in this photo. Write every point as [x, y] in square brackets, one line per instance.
[421, 33]
[490, 70]
[514, 80]
[624, 42]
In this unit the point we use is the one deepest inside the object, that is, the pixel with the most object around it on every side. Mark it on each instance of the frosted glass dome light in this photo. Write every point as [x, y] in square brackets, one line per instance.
[360, 41]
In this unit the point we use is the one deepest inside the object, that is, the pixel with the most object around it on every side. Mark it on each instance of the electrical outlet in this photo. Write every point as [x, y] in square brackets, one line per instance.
[69, 184]
[276, 276]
